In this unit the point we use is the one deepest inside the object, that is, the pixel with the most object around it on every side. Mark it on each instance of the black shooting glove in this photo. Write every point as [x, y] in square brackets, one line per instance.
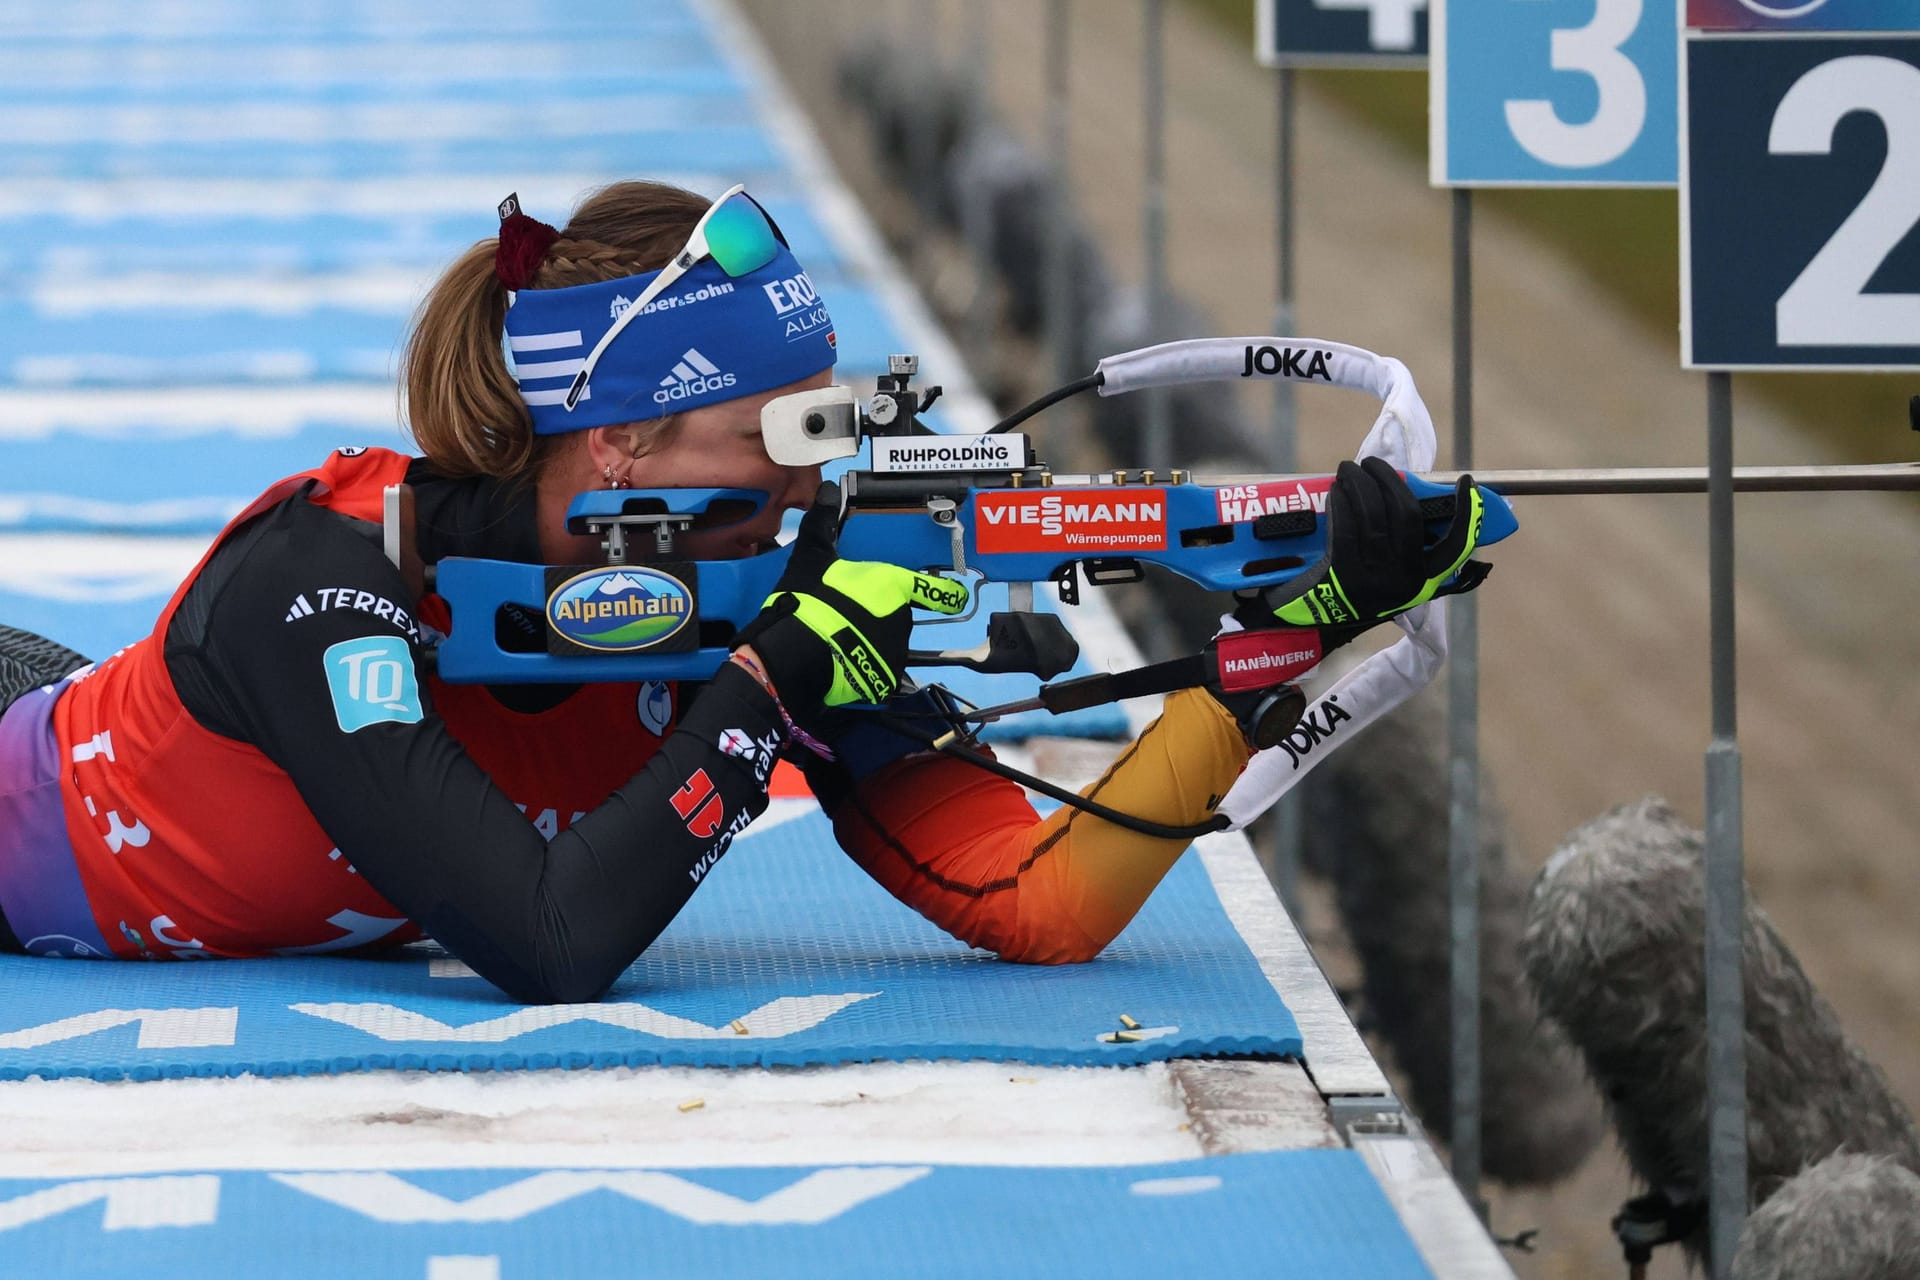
[1378, 563]
[834, 632]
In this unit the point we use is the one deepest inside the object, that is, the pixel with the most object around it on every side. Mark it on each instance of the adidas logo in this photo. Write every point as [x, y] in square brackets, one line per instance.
[301, 609]
[693, 375]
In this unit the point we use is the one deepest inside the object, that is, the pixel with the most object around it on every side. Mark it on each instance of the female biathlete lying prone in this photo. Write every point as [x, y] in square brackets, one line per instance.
[273, 771]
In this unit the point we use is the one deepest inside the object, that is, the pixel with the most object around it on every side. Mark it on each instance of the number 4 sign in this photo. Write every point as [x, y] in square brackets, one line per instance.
[1554, 93]
[1341, 33]
[1799, 201]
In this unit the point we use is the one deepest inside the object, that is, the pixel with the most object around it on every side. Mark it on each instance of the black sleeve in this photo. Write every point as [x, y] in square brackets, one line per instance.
[287, 641]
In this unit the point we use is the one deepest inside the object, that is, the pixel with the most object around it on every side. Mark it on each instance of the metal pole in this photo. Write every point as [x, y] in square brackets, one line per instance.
[1059, 318]
[1872, 477]
[1289, 827]
[1725, 875]
[976, 202]
[1158, 442]
[1285, 422]
[921, 145]
[1463, 759]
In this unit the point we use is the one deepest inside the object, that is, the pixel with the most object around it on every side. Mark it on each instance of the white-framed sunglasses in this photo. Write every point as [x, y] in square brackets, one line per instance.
[735, 232]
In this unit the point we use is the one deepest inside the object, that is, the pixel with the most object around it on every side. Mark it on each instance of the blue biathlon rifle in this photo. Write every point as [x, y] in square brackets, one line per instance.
[983, 507]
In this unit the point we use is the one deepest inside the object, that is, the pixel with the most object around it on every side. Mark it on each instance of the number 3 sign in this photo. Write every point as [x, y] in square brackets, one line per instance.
[1800, 199]
[1554, 92]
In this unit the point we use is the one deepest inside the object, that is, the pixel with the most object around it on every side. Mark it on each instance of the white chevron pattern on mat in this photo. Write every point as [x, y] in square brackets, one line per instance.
[783, 1017]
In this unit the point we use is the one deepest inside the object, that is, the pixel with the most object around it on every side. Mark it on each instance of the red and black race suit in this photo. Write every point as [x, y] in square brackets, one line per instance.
[545, 836]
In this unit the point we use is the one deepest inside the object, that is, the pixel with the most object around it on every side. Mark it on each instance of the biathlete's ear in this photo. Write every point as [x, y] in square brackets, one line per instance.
[614, 446]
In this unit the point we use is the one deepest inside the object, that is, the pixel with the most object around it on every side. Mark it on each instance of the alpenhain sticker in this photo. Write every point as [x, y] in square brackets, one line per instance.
[1079, 522]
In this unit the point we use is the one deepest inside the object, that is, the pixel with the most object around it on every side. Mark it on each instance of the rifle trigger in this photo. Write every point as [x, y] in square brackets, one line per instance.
[1069, 586]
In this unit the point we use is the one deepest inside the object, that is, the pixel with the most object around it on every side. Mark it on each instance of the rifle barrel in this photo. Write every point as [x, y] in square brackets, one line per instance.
[1855, 478]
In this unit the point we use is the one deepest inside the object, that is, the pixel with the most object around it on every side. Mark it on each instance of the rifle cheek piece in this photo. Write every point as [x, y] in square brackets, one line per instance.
[810, 428]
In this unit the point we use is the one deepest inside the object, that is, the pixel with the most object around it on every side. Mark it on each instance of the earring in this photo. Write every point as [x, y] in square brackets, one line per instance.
[606, 473]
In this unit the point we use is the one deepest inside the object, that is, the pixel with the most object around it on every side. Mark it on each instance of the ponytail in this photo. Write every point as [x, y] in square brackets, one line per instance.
[462, 404]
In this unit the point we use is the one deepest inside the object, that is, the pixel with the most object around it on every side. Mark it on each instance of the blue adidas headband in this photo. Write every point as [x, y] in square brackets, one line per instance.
[710, 337]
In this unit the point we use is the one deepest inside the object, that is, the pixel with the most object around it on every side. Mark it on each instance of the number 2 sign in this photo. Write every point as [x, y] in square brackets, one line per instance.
[1799, 202]
[1554, 93]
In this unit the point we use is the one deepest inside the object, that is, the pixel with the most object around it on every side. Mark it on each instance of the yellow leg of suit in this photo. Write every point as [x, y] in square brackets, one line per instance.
[966, 850]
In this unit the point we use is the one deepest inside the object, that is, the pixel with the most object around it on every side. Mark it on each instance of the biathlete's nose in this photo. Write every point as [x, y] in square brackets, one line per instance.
[802, 484]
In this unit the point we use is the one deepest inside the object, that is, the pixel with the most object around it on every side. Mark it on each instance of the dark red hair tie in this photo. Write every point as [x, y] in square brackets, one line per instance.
[523, 246]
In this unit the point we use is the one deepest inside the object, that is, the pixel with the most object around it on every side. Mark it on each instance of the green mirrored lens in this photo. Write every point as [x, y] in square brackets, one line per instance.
[739, 237]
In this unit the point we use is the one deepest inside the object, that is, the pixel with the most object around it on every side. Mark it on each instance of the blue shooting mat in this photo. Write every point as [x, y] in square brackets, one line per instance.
[182, 345]
[217, 21]
[107, 605]
[61, 249]
[1287, 1215]
[194, 485]
[787, 939]
[455, 73]
[513, 64]
[742, 149]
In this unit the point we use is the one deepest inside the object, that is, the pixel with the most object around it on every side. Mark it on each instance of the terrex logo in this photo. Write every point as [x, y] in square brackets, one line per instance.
[305, 606]
[1076, 520]
[1287, 362]
[1242, 503]
[694, 375]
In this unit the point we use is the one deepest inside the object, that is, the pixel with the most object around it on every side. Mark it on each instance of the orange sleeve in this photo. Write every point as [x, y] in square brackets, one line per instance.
[964, 848]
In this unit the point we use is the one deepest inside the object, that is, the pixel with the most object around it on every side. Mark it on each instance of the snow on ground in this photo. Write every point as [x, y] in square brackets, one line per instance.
[906, 1112]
